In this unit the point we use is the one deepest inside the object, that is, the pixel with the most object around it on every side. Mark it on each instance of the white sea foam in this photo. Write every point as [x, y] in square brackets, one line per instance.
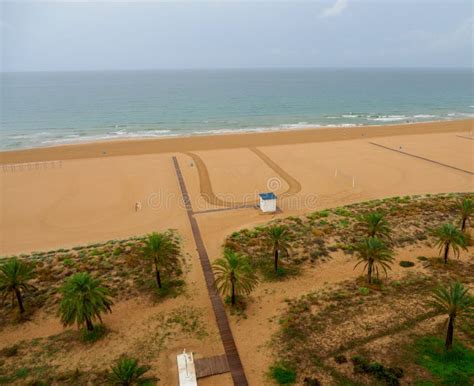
[73, 138]
[424, 116]
[31, 135]
[351, 115]
[389, 118]
[68, 135]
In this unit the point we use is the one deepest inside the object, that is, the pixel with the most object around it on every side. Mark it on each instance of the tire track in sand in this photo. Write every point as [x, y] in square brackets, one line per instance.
[205, 185]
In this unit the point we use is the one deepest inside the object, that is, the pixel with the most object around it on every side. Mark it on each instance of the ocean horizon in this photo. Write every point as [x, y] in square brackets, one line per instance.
[53, 108]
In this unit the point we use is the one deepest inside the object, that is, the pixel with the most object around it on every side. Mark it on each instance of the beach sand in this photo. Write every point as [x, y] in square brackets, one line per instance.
[90, 196]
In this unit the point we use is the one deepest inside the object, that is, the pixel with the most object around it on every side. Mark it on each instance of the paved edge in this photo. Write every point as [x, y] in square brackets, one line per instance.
[233, 358]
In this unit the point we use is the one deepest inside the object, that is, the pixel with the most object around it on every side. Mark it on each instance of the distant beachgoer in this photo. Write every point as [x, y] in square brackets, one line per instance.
[138, 206]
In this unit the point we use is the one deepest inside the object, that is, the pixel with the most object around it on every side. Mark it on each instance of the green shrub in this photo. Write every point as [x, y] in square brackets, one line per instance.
[389, 375]
[406, 264]
[283, 374]
[344, 223]
[364, 291]
[22, 373]
[92, 336]
[343, 212]
[127, 371]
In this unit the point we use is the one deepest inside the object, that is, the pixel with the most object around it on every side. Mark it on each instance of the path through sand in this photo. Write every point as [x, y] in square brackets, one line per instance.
[208, 194]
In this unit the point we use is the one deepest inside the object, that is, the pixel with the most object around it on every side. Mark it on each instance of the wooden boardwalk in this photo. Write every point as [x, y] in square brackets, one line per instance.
[233, 358]
[206, 367]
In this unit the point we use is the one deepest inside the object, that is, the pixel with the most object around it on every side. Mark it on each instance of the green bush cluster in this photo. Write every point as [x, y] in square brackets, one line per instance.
[283, 374]
[389, 375]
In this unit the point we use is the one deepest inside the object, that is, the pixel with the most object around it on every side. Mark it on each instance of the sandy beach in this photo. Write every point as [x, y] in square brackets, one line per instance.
[87, 195]
[78, 194]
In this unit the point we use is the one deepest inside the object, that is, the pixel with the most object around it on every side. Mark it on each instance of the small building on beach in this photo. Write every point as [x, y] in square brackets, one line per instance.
[268, 202]
[186, 369]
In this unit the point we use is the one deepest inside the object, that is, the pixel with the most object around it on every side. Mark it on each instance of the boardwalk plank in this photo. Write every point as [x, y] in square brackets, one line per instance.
[206, 367]
[232, 355]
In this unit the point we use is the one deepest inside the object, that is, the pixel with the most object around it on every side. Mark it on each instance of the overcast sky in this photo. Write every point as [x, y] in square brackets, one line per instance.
[65, 35]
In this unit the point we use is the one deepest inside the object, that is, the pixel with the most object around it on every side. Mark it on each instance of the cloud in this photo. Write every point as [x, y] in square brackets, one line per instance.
[4, 25]
[458, 37]
[336, 9]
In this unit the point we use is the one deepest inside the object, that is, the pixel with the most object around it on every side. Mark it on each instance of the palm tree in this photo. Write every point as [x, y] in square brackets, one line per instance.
[14, 277]
[234, 275]
[164, 251]
[374, 225]
[277, 239]
[375, 254]
[447, 236]
[84, 299]
[456, 302]
[466, 207]
[127, 372]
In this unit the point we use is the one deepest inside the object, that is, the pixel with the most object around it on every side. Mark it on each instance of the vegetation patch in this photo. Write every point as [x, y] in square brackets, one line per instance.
[283, 374]
[407, 264]
[325, 326]
[125, 267]
[307, 238]
[96, 334]
[388, 375]
[451, 367]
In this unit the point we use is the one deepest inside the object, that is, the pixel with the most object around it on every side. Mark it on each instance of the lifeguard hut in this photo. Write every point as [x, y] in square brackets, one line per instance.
[268, 202]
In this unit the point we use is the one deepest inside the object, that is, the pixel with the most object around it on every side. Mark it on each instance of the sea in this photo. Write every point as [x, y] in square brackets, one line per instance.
[53, 108]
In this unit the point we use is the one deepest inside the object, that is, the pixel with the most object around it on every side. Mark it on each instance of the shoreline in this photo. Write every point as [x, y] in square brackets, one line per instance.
[230, 140]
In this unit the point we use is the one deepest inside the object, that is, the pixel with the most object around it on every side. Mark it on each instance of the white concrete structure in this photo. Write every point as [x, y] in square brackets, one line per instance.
[186, 369]
[268, 202]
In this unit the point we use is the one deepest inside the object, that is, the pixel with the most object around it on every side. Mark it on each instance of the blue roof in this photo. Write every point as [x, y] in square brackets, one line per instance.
[267, 196]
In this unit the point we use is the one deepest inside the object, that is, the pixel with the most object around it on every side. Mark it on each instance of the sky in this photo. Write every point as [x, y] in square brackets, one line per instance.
[121, 35]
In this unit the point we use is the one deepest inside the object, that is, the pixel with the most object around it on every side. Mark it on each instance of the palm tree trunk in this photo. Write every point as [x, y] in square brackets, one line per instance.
[158, 277]
[446, 252]
[20, 301]
[276, 260]
[369, 272]
[232, 296]
[89, 325]
[450, 333]
[463, 226]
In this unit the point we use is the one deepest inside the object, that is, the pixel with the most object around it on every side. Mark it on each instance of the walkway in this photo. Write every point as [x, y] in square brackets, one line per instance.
[210, 197]
[207, 367]
[422, 158]
[233, 358]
